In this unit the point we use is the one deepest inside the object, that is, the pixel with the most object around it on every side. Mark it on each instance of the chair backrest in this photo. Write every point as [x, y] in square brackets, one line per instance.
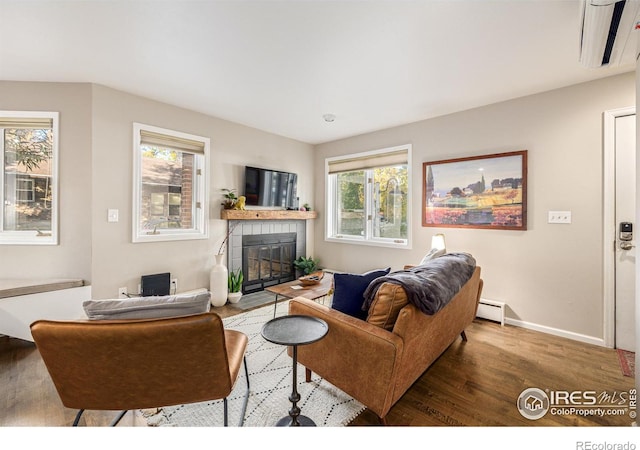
[133, 364]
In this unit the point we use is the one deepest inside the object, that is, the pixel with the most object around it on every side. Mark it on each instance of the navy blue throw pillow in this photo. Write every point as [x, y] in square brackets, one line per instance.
[348, 290]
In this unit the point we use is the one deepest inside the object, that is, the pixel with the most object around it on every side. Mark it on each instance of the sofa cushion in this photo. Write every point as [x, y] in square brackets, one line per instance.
[148, 307]
[348, 290]
[387, 303]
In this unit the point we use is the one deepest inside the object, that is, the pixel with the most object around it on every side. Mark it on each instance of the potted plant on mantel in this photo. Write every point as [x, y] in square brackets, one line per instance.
[235, 286]
[230, 198]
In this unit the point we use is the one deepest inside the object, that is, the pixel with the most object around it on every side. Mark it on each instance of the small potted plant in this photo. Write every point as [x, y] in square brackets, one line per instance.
[235, 286]
[306, 265]
[311, 273]
[230, 198]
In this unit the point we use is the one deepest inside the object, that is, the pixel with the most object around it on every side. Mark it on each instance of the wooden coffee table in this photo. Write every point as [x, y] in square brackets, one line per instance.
[294, 289]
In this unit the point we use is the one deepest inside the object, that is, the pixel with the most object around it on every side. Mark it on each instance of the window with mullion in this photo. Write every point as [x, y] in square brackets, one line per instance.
[28, 177]
[171, 185]
[368, 198]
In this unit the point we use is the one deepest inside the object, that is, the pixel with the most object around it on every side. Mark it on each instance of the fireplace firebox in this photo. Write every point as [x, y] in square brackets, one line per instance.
[267, 259]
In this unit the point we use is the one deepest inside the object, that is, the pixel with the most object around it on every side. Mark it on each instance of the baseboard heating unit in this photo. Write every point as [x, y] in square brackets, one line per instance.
[491, 310]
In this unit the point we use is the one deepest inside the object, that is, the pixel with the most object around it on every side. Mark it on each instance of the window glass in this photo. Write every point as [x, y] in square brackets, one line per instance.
[350, 204]
[390, 202]
[167, 180]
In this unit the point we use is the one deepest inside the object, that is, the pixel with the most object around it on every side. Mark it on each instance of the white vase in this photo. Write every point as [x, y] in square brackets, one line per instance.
[218, 280]
[234, 297]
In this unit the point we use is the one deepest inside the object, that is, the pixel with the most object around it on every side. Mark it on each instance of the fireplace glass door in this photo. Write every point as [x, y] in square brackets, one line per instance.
[267, 260]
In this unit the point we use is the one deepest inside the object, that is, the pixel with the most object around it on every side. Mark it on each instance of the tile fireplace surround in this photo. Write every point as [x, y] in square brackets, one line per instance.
[258, 222]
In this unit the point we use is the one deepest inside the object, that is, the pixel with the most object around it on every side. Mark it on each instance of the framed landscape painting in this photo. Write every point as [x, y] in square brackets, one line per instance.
[487, 191]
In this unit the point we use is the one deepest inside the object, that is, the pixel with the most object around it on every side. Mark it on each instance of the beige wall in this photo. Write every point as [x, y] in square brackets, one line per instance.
[96, 163]
[550, 275]
[118, 262]
[72, 257]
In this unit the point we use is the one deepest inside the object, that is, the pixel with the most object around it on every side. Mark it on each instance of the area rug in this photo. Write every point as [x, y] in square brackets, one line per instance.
[627, 362]
[270, 377]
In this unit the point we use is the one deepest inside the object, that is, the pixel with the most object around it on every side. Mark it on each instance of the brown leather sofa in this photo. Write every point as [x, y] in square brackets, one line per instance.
[374, 365]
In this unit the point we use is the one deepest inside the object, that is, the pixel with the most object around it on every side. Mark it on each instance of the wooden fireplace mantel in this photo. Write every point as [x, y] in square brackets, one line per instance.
[266, 214]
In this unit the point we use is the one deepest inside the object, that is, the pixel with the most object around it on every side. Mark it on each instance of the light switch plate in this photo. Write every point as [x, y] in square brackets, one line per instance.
[559, 216]
[112, 215]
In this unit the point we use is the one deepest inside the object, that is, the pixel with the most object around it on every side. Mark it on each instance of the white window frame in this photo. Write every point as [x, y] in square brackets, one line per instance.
[331, 190]
[200, 229]
[30, 237]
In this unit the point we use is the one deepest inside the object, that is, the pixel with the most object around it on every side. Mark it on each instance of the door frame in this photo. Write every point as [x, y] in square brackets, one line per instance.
[609, 225]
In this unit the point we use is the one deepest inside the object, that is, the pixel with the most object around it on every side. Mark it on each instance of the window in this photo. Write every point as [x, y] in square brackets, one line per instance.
[29, 177]
[368, 197]
[170, 185]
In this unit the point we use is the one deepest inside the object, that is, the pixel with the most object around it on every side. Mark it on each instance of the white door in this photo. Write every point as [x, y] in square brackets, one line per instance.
[625, 251]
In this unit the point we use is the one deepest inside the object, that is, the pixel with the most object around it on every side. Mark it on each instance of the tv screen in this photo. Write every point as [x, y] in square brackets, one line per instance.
[270, 188]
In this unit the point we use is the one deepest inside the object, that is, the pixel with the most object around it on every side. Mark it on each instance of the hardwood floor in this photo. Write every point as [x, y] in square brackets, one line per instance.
[474, 383]
[478, 382]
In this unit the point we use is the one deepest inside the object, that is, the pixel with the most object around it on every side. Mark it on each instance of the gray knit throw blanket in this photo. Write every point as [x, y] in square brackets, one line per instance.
[429, 286]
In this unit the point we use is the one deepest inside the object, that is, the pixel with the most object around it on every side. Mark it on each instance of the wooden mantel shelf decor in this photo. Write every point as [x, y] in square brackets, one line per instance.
[266, 214]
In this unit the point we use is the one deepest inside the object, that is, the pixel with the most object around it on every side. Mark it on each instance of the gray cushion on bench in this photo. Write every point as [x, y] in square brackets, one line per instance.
[148, 307]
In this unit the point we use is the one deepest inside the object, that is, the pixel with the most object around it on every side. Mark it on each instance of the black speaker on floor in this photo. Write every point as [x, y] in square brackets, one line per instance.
[156, 284]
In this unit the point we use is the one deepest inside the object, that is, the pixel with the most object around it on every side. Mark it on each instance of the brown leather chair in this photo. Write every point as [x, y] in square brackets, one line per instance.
[136, 364]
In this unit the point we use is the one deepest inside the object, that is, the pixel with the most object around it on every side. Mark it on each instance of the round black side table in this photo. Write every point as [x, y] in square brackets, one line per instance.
[295, 330]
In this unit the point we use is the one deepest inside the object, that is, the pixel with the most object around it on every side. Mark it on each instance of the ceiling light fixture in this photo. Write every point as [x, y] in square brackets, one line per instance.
[329, 118]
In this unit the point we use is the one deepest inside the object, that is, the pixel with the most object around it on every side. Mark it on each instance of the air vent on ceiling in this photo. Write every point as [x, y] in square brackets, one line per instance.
[606, 37]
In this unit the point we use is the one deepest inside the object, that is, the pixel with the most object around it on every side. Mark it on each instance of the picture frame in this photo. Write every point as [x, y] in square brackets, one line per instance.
[486, 192]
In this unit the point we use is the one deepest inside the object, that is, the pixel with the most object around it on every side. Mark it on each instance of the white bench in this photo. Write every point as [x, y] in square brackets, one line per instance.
[22, 302]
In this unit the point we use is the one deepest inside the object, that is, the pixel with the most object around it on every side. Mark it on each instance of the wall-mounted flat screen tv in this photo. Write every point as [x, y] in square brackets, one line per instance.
[270, 188]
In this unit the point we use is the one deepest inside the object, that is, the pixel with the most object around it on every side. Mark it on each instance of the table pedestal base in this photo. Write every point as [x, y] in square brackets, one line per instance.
[303, 421]
[293, 331]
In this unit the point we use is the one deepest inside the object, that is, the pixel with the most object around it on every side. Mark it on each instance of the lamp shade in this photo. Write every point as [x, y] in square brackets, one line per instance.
[437, 242]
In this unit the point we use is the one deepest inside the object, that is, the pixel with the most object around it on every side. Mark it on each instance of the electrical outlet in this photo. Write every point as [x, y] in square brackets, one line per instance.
[559, 217]
[174, 285]
[122, 292]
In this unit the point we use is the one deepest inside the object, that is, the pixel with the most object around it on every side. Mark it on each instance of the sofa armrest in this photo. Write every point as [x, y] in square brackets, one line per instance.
[355, 356]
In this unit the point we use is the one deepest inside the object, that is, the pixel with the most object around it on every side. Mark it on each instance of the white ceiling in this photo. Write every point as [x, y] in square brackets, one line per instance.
[281, 65]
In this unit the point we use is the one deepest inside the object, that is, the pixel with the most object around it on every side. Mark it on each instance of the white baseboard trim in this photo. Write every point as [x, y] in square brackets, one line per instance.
[556, 332]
